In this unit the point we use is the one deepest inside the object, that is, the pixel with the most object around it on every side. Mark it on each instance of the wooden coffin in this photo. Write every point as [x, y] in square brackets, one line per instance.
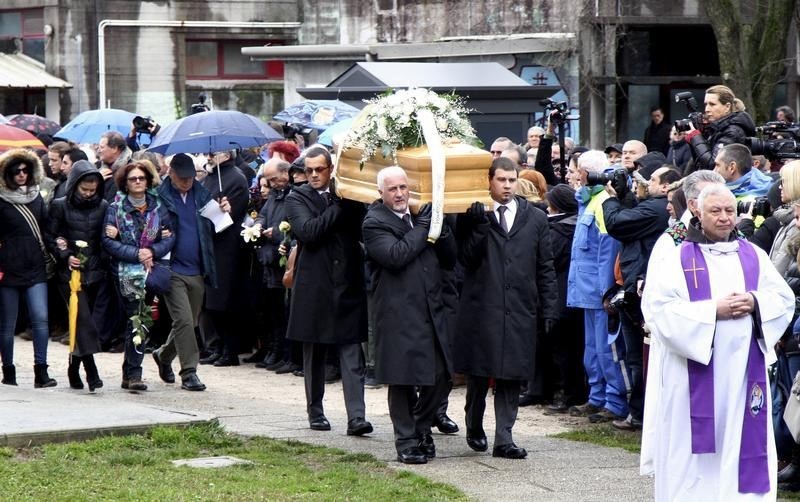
[466, 178]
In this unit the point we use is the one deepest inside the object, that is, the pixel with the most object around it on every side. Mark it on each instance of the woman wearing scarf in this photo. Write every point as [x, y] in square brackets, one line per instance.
[138, 234]
[74, 230]
[23, 260]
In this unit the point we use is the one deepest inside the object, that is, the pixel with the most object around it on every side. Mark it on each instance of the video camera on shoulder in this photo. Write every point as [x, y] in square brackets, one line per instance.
[201, 105]
[776, 141]
[760, 206]
[695, 115]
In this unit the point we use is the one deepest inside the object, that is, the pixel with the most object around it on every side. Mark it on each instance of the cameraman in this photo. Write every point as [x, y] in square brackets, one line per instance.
[637, 230]
[726, 122]
[734, 163]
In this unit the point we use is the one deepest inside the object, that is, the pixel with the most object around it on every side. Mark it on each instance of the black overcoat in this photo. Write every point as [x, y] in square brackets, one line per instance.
[408, 311]
[509, 280]
[329, 302]
[228, 244]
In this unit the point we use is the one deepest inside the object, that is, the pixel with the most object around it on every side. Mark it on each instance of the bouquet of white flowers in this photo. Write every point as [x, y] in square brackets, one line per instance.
[391, 122]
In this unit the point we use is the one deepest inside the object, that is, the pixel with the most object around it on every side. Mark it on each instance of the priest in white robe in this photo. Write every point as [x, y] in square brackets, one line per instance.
[718, 307]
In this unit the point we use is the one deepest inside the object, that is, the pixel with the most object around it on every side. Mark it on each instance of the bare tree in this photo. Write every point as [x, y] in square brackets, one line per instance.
[751, 42]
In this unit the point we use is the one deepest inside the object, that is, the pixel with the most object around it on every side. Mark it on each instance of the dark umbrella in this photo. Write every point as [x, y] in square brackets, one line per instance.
[317, 113]
[213, 131]
[34, 124]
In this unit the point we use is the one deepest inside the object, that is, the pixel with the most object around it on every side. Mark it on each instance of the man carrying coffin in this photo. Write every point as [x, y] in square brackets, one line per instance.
[410, 319]
[718, 307]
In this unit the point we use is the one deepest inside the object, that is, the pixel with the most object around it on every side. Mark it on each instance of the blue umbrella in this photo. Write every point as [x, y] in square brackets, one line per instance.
[91, 124]
[213, 131]
[318, 113]
[337, 129]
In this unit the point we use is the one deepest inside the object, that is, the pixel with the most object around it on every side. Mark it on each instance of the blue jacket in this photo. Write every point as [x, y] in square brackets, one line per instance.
[594, 252]
[205, 227]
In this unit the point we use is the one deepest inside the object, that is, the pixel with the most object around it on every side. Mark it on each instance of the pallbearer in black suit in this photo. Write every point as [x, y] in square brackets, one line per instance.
[509, 280]
[409, 314]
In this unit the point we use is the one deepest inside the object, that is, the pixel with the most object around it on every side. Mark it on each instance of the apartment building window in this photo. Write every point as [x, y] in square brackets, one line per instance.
[23, 29]
[223, 59]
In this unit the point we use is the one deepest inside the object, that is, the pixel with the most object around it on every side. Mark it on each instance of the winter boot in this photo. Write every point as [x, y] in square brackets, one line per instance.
[41, 378]
[9, 374]
[72, 373]
[92, 377]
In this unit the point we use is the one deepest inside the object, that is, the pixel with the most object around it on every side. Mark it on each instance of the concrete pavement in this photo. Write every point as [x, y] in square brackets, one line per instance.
[251, 401]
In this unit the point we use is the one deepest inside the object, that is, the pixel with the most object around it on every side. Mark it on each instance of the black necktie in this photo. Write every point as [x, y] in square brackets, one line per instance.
[407, 219]
[326, 196]
[502, 218]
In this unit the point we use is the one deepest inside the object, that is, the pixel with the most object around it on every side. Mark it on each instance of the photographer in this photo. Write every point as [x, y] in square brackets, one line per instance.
[637, 230]
[544, 160]
[726, 122]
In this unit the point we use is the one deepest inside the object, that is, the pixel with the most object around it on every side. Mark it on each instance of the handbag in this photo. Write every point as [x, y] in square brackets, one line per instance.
[30, 219]
[288, 274]
[791, 413]
[158, 279]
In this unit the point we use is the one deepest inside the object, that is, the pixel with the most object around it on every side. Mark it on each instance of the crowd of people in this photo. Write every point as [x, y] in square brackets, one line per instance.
[649, 285]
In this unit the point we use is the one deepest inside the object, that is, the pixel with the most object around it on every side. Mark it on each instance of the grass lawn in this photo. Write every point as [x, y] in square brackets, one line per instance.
[139, 468]
[605, 435]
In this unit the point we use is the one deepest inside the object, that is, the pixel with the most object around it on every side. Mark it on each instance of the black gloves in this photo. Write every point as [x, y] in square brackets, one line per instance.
[477, 213]
[424, 215]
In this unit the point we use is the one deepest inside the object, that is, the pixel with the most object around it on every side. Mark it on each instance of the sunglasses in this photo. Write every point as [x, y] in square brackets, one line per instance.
[137, 179]
[20, 170]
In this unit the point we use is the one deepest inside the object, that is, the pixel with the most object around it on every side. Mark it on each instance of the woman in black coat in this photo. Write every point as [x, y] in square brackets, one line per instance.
[74, 231]
[727, 123]
[23, 260]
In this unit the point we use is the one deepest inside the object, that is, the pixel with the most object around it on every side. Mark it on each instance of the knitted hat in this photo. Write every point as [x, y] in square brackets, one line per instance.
[562, 197]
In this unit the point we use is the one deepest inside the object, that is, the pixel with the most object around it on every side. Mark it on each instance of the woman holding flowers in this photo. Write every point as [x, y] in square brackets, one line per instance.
[74, 231]
[23, 260]
[138, 234]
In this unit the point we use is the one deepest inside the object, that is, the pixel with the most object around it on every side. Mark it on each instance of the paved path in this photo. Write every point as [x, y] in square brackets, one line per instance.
[251, 401]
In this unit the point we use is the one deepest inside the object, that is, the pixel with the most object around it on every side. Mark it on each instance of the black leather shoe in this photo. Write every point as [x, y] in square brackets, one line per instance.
[211, 358]
[227, 361]
[477, 440]
[529, 400]
[256, 357]
[445, 425]
[358, 427]
[320, 424]
[509, 451]
[164, 369]
[191, 382]
[427, 446]
[286, 367]
[412, 456]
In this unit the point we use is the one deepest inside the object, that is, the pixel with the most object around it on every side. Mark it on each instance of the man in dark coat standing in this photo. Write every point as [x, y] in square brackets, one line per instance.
[410, 320]
[220, 301]
[329, 305]
[509, 280]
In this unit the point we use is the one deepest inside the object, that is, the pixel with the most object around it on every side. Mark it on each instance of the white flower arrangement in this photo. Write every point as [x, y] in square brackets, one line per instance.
[390, 122]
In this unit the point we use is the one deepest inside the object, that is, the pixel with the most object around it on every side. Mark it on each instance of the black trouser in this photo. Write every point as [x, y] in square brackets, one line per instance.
[276, 317]
[413, 415]
[634, 339]
[506, 405]
[567, 352]
[351, 360]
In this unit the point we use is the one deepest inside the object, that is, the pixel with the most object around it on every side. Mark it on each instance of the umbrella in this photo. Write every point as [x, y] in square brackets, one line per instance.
[213, 131]
[34, 124]
[317, 114]
[333, 132]
[90, 125]
[13, 137]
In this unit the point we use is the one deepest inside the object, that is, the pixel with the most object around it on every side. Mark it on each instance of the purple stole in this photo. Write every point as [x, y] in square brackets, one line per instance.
[753, 463]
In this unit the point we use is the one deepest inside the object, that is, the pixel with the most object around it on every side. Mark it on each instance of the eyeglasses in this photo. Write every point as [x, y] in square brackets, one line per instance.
[137, 179]
[20, 170]
[310, 170]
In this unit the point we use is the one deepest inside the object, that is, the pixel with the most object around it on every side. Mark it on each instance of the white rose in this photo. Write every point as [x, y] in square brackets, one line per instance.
[81, 244]
[441, 124]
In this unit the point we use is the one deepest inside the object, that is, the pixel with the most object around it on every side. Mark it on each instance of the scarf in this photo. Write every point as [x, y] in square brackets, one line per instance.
[139, 233]
[22, 195]
[585, 194]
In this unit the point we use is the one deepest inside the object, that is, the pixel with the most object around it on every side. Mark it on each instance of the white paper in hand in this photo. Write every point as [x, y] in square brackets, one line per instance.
[218, 217]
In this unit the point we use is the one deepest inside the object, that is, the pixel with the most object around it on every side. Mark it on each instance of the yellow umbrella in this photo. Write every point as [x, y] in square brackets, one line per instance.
[74, 287]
